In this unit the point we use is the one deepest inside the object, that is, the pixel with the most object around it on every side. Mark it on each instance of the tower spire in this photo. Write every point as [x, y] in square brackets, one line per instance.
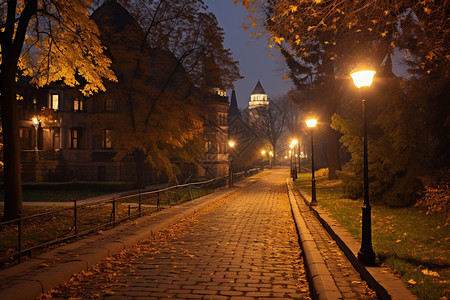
[233, 111]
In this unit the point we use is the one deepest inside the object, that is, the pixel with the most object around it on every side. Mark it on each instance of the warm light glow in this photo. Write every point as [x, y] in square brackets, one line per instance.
[231, 144]
[35, 121]
[311, 123]
[285, 157]
[294, 142]
[363, 78]
[263, 152]
[291, 146]
[289, 152]
[271, 153]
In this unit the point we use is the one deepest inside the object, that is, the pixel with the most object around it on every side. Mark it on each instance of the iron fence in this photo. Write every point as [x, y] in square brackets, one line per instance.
[21, 236]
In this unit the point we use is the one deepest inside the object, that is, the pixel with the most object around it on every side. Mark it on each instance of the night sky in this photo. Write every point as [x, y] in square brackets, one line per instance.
[253, 55]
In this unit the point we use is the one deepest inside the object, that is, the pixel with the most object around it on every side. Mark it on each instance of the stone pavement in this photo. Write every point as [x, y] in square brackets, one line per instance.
[242, 247]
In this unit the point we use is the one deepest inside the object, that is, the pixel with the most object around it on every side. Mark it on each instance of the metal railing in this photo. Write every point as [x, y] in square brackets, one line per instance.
[20, 237]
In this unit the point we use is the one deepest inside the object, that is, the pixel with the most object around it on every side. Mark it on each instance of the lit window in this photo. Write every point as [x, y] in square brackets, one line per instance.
[75, 138]
[77, 105]
[106, 140]
[54, 101]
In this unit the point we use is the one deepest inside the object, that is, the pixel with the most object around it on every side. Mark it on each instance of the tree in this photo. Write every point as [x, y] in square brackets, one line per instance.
[165, 59]
[48, 40]
[396, 145]
[269, 122]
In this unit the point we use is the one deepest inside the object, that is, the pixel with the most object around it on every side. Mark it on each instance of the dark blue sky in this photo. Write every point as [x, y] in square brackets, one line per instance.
[253, 55]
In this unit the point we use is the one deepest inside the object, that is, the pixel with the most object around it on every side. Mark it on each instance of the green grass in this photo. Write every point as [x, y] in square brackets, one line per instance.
[409, 240]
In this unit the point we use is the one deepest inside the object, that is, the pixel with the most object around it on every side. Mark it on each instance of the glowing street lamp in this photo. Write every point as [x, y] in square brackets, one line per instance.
[311, 123]
[366, 255]
[231, 144]
[270, 159]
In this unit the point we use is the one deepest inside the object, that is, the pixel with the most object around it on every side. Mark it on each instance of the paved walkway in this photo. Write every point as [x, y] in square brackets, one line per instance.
[243, 247]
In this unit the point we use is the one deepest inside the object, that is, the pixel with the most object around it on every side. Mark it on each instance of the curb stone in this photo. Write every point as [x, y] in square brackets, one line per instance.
[380, 279]
[322, 283]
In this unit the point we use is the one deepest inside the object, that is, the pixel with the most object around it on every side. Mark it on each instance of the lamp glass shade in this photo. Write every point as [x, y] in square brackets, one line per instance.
[263, 152]
[363, 78]
[294, 142]
[311, 123]
[231, 144]
[35, 121]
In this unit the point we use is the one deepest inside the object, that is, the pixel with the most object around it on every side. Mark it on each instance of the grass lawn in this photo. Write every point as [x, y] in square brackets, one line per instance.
[67, 192]
[413, 243]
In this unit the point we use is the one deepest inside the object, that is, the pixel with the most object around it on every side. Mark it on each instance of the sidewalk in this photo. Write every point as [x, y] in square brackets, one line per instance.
[40, 274]
[325, 243]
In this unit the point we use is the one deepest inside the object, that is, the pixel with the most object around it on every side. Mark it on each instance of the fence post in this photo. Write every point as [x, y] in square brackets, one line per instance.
[157, 200]
[19, 228]
[129, 212]
[140, 212]
[75, 218]
[114, 212]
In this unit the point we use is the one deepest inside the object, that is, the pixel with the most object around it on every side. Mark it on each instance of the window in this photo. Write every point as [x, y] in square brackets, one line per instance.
[106, 139]
[54, 101]
[208, 146]
[109, 105]
[77, 105]
[75, 138]
[222, 119]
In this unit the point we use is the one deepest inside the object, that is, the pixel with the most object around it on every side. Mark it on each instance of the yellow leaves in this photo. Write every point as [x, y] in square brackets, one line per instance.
[427, 10]
[384, 33]
[236, 2]
[270, 54]
[412, 282]
[293, 8]
[278, 40]
[430, 273]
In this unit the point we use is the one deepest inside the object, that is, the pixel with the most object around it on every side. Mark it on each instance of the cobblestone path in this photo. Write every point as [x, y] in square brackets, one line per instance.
[244, 246]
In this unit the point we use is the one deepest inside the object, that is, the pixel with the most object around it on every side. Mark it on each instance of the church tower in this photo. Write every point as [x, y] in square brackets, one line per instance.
[258, 97]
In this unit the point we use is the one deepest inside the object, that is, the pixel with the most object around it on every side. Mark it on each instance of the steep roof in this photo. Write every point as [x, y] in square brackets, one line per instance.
[258, 89]
[233, 110]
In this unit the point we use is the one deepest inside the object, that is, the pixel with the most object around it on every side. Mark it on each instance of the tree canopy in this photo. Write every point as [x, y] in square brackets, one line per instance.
[48, 40]
[166, 59]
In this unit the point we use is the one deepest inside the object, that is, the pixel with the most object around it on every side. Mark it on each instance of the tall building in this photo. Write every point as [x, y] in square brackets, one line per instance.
[258, 97]
[65, 141]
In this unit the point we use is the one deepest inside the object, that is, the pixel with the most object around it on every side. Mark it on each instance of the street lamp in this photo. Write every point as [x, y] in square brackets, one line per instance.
[36, 125]
[366, 255]
[311, 123]
[230, 160]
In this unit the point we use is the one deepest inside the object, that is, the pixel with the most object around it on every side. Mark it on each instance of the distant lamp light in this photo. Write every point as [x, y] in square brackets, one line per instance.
[263, 152]
[362, 78]
[294, 142]
[35, 121]
[311, 123]
[231, 144]
[271, 153]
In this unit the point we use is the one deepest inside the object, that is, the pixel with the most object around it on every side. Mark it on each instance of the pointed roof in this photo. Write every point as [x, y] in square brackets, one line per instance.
[233, 110]
[258, 89]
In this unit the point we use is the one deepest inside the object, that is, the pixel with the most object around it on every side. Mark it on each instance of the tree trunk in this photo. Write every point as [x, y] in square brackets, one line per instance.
[139, 159]
[334, 163]
[11, 145]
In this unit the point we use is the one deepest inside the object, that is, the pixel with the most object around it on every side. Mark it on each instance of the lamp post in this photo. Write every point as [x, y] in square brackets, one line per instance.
[298, 152]
[290, 156]
[270, 159]
[263, 153]
[293, 143]
[311, 123]
[36, 125]
[366, 255]
[230, 160]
